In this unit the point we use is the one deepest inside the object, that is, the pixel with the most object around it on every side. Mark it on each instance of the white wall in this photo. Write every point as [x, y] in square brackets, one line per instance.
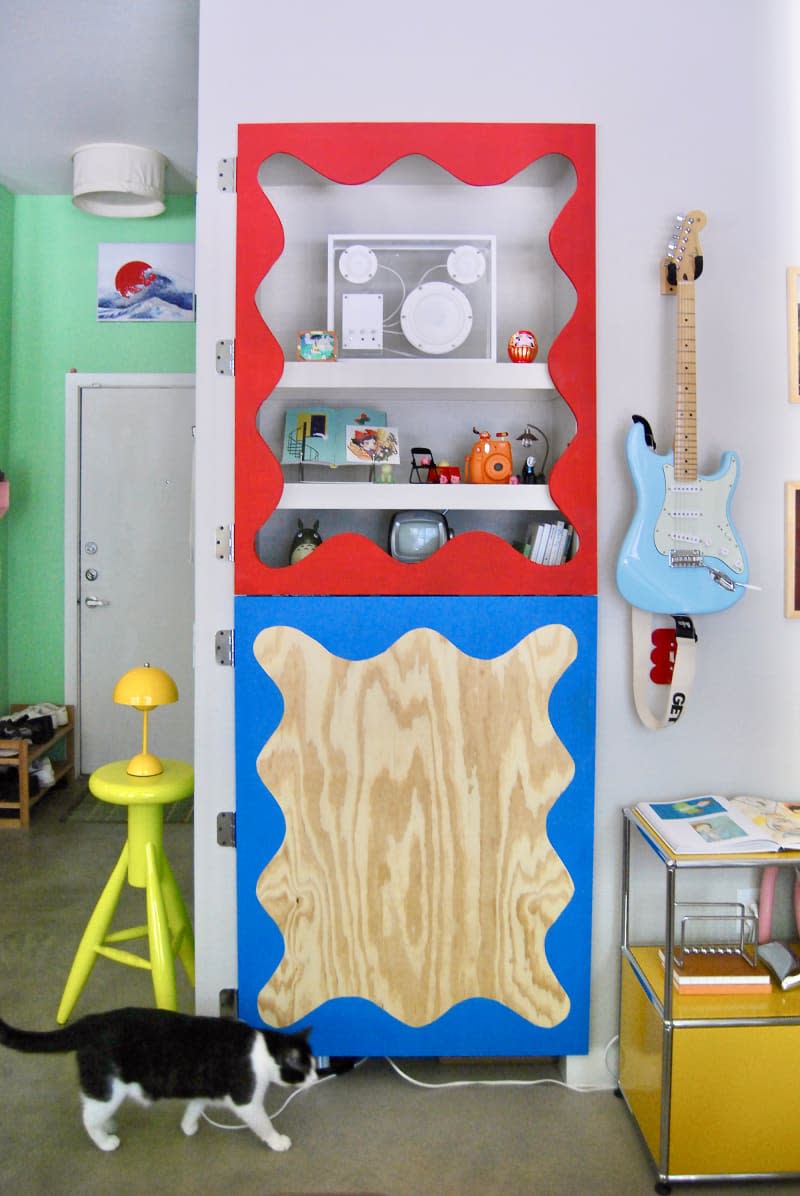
[693, 106]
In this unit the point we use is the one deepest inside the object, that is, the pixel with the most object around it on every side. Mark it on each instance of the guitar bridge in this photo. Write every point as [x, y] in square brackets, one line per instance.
[686, 558]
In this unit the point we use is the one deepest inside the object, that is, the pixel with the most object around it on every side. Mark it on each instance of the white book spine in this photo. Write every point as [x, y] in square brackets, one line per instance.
[547, 531]
[537, 544]
[554, 544]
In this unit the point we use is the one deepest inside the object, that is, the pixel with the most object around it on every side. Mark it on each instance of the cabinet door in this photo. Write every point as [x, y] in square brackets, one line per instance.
[545, 280]
[414, 821]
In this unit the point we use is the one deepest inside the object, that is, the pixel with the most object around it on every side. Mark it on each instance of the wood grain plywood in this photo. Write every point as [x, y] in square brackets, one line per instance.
[416, 871]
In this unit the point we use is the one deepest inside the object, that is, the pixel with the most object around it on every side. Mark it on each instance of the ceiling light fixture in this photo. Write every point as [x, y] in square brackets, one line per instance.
[112, 179]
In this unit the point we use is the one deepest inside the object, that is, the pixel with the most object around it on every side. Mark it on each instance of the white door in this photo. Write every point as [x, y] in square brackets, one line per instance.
[135, 573]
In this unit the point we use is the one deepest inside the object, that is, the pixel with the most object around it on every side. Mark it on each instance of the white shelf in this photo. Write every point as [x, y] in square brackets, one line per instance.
[389, 374]
[394, 496]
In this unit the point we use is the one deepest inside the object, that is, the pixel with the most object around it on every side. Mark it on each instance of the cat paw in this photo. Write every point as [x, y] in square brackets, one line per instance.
[108, 1142]
[189, 1127]
[279, 1142]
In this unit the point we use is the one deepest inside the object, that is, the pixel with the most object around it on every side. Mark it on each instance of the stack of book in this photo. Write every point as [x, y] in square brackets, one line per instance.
[714, 973]
[548, 543]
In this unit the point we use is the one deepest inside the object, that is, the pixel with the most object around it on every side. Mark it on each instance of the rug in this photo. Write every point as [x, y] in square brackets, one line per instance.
[86, 808]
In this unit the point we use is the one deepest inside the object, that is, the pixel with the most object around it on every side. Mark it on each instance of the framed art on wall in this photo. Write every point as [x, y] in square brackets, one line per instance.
[792, 325]
[150, 282]
[792, 553]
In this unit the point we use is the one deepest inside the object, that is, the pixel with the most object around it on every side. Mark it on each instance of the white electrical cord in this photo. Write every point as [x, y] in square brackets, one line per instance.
[510, 1083]
[579, 1088]
[219, 1125]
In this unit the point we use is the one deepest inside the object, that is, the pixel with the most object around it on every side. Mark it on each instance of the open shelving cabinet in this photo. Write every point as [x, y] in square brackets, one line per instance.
[536, 183]
[415, 742]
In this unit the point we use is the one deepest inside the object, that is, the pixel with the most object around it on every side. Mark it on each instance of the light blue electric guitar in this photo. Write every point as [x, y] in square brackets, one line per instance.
[681, 554]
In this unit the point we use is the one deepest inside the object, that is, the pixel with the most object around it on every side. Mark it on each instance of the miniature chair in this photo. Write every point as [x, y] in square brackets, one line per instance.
[145, 866]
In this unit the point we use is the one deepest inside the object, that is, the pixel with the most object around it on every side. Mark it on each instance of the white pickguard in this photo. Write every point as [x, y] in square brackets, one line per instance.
[695, 517]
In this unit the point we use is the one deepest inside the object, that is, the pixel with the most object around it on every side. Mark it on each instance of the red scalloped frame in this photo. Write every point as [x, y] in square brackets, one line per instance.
[478, 155]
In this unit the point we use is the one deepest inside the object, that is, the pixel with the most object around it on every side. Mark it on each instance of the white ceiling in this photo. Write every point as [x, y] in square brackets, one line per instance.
[78, 71]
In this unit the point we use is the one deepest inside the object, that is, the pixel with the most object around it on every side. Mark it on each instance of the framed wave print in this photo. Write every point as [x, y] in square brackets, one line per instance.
[150, 282]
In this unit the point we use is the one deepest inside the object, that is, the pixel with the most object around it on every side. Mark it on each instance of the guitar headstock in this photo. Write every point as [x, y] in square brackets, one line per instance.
[684, 259]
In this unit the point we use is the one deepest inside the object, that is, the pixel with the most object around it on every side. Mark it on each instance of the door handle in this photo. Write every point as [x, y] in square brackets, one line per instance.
[92, 602]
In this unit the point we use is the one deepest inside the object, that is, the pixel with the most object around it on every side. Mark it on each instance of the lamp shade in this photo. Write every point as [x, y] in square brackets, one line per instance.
[113, 179]
[145, 688]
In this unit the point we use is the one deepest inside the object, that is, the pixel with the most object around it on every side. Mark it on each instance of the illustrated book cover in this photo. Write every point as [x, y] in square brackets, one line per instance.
[319, 435]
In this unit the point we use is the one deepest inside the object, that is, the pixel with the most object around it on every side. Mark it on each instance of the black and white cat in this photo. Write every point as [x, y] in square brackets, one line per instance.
[150, 1054]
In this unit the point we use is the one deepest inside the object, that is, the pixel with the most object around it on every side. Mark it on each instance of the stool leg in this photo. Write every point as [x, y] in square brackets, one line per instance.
[162, 961]
[178, 918]
[93, 935]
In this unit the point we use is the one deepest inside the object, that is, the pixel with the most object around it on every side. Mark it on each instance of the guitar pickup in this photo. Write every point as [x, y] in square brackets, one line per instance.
[686, 558]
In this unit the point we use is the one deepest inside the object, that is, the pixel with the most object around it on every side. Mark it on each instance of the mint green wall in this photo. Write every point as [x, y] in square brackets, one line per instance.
[54, 330]
[6, 258]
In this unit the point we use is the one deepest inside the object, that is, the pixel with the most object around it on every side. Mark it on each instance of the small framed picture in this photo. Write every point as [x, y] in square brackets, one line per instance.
[367, 444]
[792, 331]
[316, 344]
[792, 555]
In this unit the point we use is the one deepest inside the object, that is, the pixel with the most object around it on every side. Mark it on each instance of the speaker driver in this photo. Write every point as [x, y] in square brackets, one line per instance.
[358, 264]
[436, 317]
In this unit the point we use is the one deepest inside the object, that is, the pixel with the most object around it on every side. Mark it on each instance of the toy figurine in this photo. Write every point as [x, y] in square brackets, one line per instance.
[448, 474]
[527, 438]
[523, 345]
[304, 541]
[527, 475]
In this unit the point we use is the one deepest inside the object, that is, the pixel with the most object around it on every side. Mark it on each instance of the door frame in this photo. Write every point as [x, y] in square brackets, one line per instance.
[74, 385]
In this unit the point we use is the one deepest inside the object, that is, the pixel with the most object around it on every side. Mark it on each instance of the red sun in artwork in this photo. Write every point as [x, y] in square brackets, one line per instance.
[133, 277]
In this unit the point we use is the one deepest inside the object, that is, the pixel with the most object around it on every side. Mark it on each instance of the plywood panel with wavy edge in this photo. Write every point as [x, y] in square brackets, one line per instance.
[416, 871]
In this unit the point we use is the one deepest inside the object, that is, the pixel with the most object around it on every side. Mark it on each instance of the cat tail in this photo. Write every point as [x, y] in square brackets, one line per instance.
[48, 1041]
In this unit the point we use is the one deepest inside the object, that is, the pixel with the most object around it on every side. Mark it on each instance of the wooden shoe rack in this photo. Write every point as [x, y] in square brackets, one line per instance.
[24, 752]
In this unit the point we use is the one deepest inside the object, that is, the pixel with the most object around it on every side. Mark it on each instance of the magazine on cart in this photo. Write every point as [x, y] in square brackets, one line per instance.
[710, 824]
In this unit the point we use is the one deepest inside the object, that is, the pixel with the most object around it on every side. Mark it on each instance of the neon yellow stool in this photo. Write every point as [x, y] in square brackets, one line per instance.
[145, 866]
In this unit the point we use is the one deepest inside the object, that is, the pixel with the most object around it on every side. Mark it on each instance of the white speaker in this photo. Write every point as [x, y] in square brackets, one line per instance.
[412, 295]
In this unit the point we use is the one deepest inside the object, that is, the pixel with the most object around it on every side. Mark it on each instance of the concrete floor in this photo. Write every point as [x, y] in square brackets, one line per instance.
[364, 1132]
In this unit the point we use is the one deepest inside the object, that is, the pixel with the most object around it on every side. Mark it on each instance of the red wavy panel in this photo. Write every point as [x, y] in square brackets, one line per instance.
[478, 155]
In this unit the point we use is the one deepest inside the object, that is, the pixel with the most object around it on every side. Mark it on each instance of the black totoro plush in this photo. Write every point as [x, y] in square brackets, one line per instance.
[304, 541]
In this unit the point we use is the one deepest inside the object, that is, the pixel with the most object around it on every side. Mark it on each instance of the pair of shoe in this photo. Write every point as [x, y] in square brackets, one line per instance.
[41, 771]
[36, 723]
[59, 714]
[9, 729]
[37, 729]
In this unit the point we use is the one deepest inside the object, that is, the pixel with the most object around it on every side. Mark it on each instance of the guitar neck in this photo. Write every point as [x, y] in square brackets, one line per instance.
[685, 444]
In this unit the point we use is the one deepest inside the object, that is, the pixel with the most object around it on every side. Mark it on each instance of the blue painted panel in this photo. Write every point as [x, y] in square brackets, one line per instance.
[356, 629]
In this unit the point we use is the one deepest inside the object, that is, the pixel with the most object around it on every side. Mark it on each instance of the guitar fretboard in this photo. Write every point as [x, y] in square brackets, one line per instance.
[685, 445]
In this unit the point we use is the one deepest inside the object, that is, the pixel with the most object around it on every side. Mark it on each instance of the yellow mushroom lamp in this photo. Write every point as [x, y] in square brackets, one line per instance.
[145, 688]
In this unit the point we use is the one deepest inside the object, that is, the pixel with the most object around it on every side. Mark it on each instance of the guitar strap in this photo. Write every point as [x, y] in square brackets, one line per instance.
[673, 661]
